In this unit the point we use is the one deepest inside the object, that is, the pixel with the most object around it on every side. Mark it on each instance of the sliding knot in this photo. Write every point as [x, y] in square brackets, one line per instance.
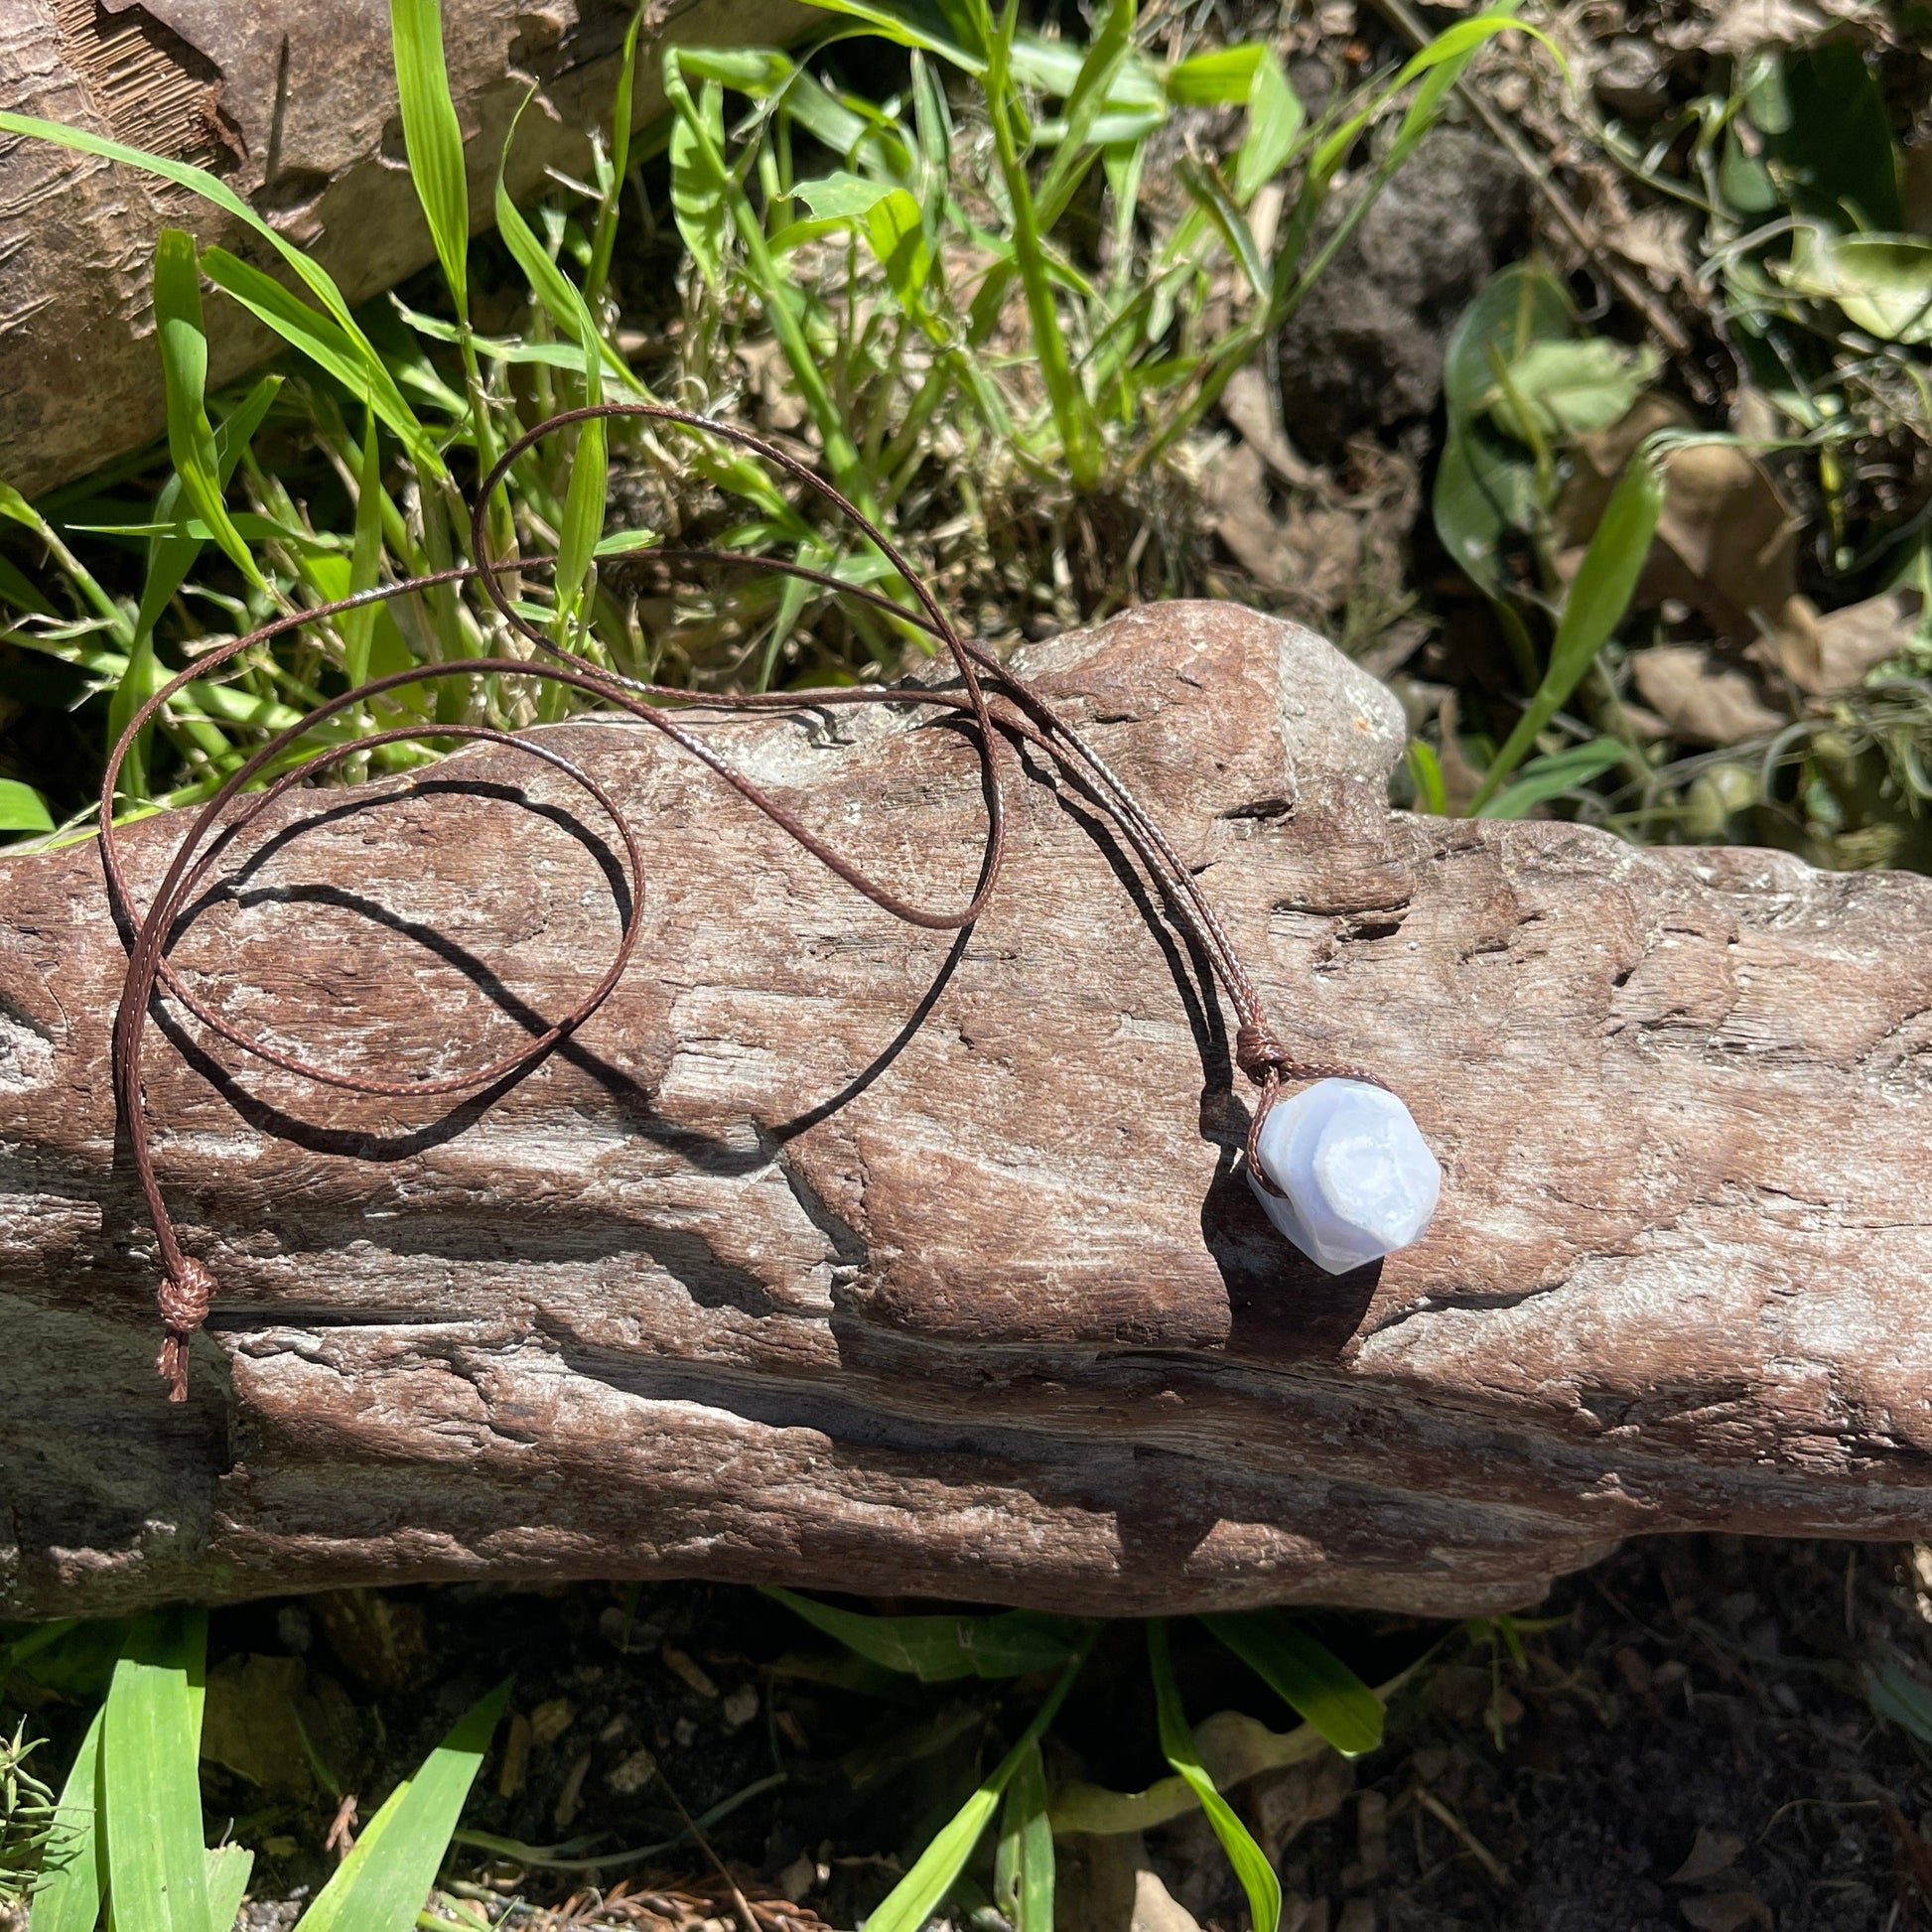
[1259, 1054]
[184, 1299]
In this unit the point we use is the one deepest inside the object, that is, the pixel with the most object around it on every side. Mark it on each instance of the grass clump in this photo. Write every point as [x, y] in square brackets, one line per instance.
[978, 304]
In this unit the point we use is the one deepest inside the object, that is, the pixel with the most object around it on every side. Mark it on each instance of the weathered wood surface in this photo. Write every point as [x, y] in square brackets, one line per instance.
[293, 103]
[757, 1281]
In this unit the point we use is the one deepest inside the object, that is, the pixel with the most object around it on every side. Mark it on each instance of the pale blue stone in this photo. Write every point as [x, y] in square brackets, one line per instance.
[1358, 1178]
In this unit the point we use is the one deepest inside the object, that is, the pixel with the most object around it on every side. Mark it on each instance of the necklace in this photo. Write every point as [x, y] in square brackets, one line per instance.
[1340, 1165]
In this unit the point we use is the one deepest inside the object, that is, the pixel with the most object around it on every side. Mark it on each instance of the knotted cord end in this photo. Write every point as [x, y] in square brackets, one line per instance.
[184, 1299]
[1258, 1054]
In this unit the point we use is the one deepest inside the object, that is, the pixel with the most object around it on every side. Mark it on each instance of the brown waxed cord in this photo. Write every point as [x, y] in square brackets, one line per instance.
[188, 1287]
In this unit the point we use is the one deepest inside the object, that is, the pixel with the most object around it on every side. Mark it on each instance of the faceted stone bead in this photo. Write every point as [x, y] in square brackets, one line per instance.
[1358, 1178]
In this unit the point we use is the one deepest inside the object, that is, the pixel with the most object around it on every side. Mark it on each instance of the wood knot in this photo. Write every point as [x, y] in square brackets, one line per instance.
[183, 1298]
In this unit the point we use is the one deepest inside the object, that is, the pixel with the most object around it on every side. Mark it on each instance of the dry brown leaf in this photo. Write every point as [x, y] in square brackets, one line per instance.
[1726, 1911]
[1832, 652]
[1658, 240]
[1744, 25]
[1237, 497]
[1701, 701]
[1155, 1909]
[1245, 403]
[1712, 1853]
[1285, 1803]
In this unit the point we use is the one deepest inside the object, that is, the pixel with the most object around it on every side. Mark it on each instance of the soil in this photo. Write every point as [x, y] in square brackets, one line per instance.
[1689, 1743]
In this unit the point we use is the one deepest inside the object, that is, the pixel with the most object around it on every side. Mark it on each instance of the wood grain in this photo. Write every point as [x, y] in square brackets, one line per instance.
[834, 1254]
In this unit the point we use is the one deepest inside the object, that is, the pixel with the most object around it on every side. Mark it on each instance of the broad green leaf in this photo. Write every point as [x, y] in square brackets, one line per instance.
[73, 1866]
[1546, 777]
[896, 235]
[1892, 1691]
[383, 1883]
[1604, 583]
[1518, 308]
[229, 1867]
[1275, 119]
[917, 1896]
[431, 137]
[1832, 157]
[699, 178]
[1249, 76]
[1568, 388]
[150, 1778]
[621, 542]
[756, 72]
[1250, 1862]
[841, 196]
[22, 808]
[1882, 283]
[937, 1649]
[184, 365]
[1022, 1863]
[1485, 493]
[1306, 1675]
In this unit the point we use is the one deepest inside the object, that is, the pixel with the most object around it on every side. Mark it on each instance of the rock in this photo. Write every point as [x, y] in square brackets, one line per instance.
[1357, 1181]
[1366, 346]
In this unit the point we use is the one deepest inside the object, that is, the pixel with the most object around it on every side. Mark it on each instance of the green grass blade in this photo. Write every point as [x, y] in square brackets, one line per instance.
[1113, 40]
[1022, 1866]
[1425, 768]
[1074, 415]
[604, 239]
[383, 1883]
[20, 590]
[357, 628]
[1306, 1675]
[151, 1791]
[432, 138]
[184, 366]
[229, 1867]
[74, 1865]
[346, 355]
[1545, 777]
[1250, 1862]
[917, 24]
[1606, 581]
[170, 558]
[917, 1896]
[940, 1649]
[317, 280]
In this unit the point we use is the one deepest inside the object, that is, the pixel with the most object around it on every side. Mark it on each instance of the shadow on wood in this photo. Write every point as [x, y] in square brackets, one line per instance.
[853, 1256]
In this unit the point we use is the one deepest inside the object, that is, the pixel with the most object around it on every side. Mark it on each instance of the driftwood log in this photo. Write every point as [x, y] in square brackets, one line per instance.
[833, 1253]
[292, 102]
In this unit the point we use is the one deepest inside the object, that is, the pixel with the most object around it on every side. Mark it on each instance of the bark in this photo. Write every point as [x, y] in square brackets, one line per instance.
[832, 1252]
[293, 103]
